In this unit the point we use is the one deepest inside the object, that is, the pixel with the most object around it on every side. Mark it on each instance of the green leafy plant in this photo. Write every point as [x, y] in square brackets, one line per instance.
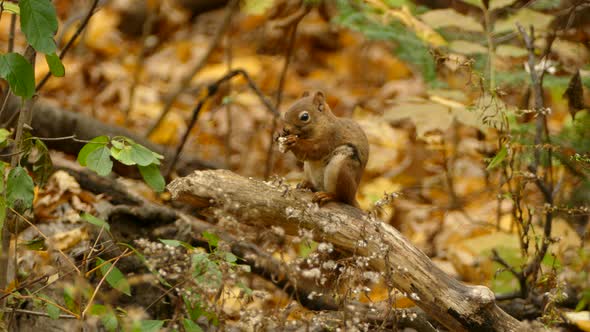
[97, 153]
[39, 24]
[31, 163]
[208, 272]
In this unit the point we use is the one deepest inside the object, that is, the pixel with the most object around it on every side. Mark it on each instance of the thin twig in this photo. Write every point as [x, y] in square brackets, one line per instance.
[537, 89]
[185, 81]
[43, 299]
[11, 33]
[63, 52]
[146, 31]
[89, 304]
[37, 313]
[541, 136]
[87, 274]
[517, 274]
[288, 53]
[211, 90]
[228, 106]
[46, 238]
[10, 49]
[24, 121]
[166, 292]
[25, 285]
[488, 22]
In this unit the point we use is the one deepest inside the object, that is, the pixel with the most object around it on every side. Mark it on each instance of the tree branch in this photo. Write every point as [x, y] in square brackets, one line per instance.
[453, 304]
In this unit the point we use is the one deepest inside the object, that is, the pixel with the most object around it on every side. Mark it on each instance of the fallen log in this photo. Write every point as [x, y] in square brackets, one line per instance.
[457, 306]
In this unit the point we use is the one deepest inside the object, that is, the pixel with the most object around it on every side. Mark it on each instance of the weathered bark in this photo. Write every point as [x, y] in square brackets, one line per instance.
[137, 217]
[453, 304]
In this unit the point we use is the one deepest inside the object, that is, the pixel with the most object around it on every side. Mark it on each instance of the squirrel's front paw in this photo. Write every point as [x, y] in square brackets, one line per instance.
[323, 197]
[286, 142]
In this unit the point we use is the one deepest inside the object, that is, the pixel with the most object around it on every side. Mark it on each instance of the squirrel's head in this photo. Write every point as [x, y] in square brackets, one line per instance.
[306, 112]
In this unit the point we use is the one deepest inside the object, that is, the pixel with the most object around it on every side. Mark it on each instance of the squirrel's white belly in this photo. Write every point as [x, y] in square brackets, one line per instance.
[314, 172]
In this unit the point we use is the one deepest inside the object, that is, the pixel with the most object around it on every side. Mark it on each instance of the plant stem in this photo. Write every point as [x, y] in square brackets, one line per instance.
[489, 27]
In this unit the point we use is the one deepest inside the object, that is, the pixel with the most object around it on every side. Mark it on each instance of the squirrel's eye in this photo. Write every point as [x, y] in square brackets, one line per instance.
[304, 116]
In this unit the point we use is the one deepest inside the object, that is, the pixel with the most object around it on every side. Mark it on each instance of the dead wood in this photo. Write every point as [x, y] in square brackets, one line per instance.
[51, 121]
[132, 217]
[304, 290]
[455, 305]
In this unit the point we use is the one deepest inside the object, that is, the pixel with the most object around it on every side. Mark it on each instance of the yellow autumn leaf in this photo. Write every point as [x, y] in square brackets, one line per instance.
[421, 29]
[435, 113]
[581, 319]
[525, 17]
[444, 18]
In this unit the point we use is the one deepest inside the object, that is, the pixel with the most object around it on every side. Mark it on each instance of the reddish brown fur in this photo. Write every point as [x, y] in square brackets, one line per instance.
[335, 150]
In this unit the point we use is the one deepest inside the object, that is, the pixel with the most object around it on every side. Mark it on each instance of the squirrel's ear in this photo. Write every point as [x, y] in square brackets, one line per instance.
[319, 100]
[305, 94]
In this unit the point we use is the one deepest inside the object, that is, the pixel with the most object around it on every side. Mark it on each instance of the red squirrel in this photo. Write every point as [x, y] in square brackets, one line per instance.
[334, 150]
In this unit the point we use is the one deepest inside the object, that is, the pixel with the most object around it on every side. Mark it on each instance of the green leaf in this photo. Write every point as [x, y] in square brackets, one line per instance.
[115, 278]
[19, 189]
[96, 221]
[109, 320]
[230, 258]
[177, 243]
[69, 300]
[211, 238]
[152, 176]
[307, 247]
[190, 326]
[55, 66]
[142, 155]
[97, 310]
[151, 325]
[206, 271]
[38, 21]
[118, 142]
[500, 156]
[94, 144]
[2, 176]
[39, 161]
[107, 316]
[11, 7]
[52, 311]
[172, 243]
[247, 290]
[100, 161]
[15, 69]
[123, 155]
[584, 300]
[4, 134]
[36, 244]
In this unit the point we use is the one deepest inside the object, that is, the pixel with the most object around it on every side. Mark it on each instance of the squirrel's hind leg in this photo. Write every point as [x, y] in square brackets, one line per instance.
[341, 176]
